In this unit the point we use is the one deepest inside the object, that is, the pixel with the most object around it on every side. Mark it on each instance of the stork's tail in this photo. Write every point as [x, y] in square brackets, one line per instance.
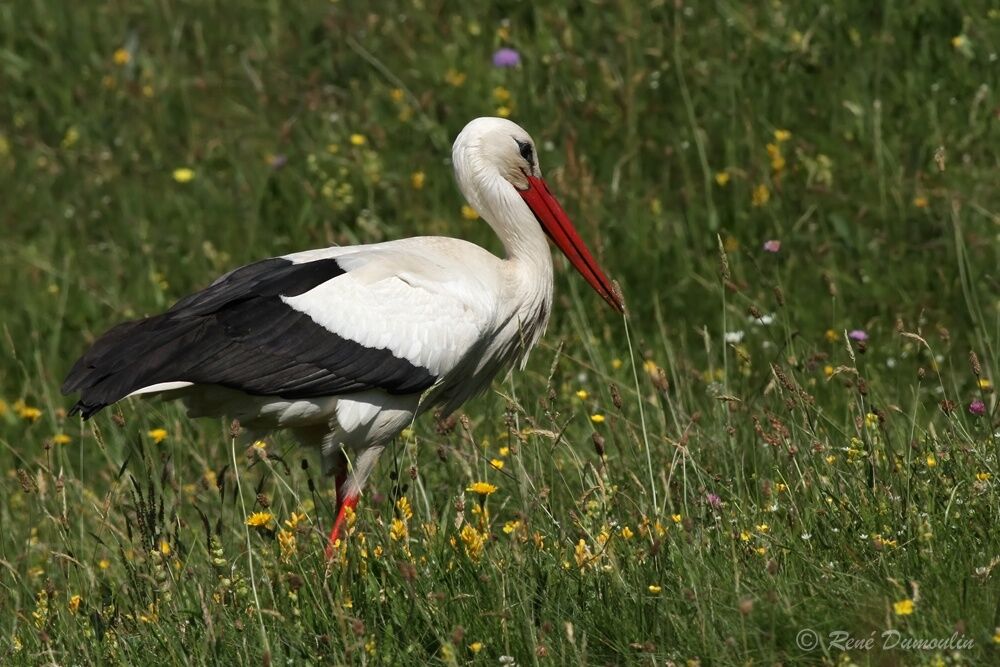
[125, 359]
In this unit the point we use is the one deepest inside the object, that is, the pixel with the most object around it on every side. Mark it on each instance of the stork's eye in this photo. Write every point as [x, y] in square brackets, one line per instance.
[527, 152]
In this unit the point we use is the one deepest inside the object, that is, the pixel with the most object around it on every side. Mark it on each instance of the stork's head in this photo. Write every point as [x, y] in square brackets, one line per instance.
[499, 145]
[494, 159]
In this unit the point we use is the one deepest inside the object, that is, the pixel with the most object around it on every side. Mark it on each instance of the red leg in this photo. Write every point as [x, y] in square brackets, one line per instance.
[349, 488]
[343, 502]
[349, 501]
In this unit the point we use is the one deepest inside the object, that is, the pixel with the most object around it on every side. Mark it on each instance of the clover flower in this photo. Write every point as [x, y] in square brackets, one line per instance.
[506, 57]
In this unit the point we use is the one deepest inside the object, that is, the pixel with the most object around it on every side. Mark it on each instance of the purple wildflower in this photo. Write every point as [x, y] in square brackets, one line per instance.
[714, 501]
[772, 245]
[977, 407]
[506, 57]
[859, 335]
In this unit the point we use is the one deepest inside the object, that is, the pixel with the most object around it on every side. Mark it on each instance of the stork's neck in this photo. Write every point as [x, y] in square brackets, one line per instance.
[524, 242]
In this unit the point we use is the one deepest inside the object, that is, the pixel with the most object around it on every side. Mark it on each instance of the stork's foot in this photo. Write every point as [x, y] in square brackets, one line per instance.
[347, 502]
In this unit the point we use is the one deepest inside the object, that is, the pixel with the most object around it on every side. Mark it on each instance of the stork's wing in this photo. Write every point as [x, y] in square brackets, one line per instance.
[287, 327]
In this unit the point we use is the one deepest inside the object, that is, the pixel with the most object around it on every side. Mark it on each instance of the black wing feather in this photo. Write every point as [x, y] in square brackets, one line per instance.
[238, 333]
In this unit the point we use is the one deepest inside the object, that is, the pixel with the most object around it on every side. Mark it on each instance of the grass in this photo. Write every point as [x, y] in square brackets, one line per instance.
[696, 496]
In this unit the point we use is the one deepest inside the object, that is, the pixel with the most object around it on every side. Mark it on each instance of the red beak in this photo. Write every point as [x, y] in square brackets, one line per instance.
[556, 224]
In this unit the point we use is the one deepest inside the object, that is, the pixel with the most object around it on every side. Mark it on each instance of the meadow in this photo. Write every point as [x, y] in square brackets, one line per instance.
[790, 445]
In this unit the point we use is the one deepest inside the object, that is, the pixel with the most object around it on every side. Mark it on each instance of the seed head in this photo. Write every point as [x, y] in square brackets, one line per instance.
[616, 398]
[598, 443]
[974, 363]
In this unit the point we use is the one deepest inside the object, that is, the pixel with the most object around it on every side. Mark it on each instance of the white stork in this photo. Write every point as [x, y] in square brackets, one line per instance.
[345, 346]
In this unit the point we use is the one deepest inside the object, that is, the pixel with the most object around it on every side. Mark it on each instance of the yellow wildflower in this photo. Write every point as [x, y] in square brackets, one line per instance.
[74, 603]
[396, 94]
[501, 94]
[985, 384]
[469, 213]
[482, 488]
[165, 547]
[511, 526]
[582, 554]
[761, 551]
[763, 528]
[504, 111]
[398, 530]
[959, 41]
[104, 563]
[504, 451]
[931, 461]
[831, 336]
[260, 519]
[403, 506]
[475, 647]
[777, 159]
[538, 540]
[983, 476]
[883, 542]
[474, 541]
[41, 613]
[151, 615]
[780, 487]
[871, 420]
[454, 78]
[61, 439]
[903, 607]
[122, 57]
[920, 202]
[157, 434]
[760, 195]
[582, 394]
[29, 413]
[627, 533]
[183, 175]
[597, 418]
[655, 589]
[617, 363]
[417, 179]
[745, 536]
[676, 518]
[287, 543]
[828, 370]
[497, 463]
[782, 136]
[358, 139]
[722, 178]
[71, 137]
